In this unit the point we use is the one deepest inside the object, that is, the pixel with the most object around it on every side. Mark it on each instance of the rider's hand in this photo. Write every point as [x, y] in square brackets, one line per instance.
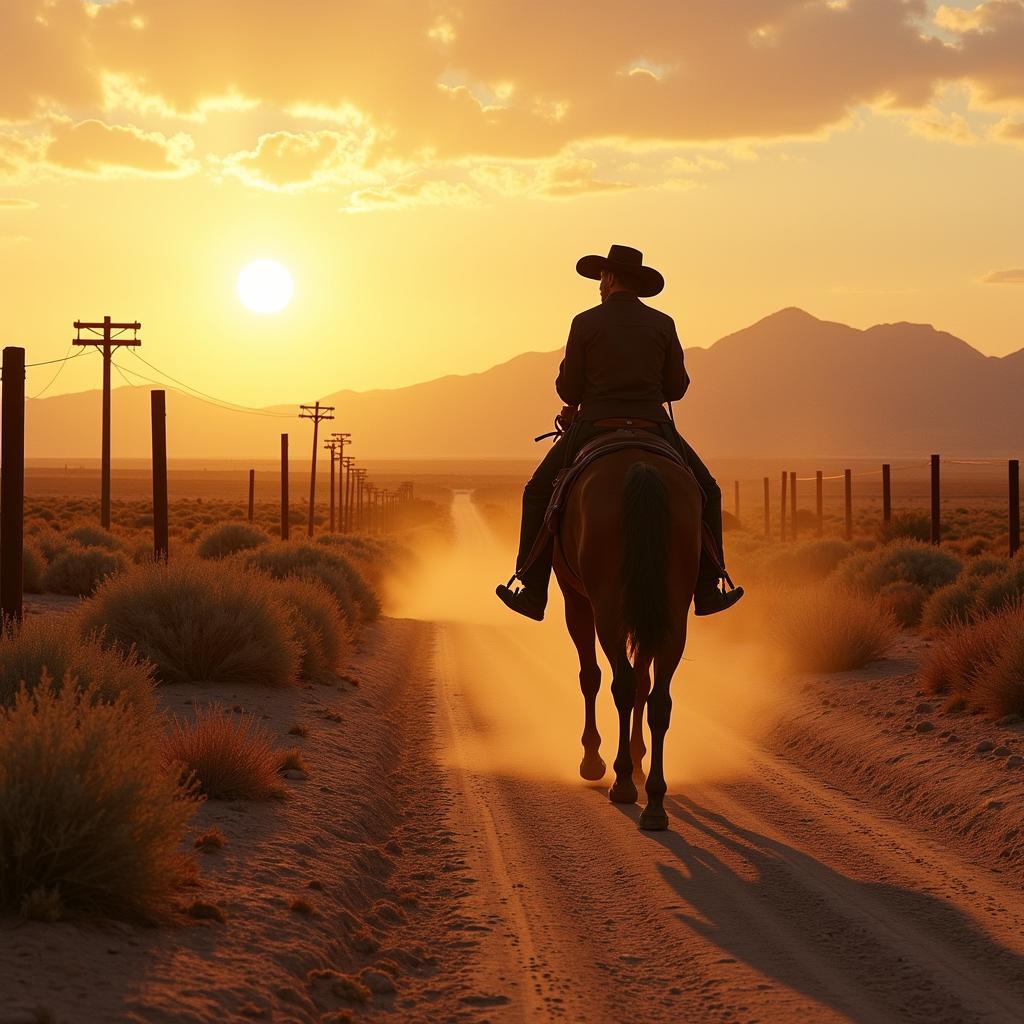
[565, 418]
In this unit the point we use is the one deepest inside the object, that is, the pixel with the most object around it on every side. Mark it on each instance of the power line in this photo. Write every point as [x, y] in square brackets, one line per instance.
[212, 398]
[63, 359]
[60, 369]
[216, 403]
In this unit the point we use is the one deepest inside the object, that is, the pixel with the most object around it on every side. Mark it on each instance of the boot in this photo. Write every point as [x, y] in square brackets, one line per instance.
[708, 597]
[532, 598]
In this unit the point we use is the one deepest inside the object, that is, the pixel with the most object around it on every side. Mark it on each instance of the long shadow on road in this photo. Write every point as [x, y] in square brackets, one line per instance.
[871, 951]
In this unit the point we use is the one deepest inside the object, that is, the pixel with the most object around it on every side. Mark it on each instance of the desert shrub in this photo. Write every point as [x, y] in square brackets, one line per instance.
[905, 562]
[988, 565]
[94, 537]
[980, 663]
[1001, 589]
[227, 758]
[228, 539]
[906, 526]
[78, 571]
[33, 567]
[45, 644]
[355, 596]
[48, 541]
[318, 623]
[90, 823]
[904, 600]
[828, 628]
[806, 562]
[197, 622]
[954, 602]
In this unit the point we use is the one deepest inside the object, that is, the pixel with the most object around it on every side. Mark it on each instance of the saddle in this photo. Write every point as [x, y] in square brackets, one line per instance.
[615, 440]
[620, 435]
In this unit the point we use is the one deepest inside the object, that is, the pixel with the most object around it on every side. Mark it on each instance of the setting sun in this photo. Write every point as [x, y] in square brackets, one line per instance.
[265, 286]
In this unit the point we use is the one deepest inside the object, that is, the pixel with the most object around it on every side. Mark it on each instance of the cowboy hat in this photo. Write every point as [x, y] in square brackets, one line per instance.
[626, 264]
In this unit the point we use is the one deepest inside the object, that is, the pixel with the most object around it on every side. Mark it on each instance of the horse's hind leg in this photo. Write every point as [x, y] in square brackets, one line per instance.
[579, 617]
[623, 790]
[637, 748]
[659, 711]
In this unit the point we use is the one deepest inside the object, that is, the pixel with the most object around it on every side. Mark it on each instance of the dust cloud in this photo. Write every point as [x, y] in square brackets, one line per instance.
[518, 680]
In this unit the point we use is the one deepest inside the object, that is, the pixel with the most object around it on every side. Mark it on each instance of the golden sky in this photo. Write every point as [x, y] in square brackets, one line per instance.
[430, 171]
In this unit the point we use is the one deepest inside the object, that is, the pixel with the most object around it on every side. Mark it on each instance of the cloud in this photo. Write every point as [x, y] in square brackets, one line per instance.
[424, 87]
[422, 193]
[291, 161]
[1004, 277]
[17, 204]
[95, 148]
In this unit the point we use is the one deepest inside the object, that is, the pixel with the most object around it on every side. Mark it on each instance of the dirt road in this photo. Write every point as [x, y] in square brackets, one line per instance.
[774, 897]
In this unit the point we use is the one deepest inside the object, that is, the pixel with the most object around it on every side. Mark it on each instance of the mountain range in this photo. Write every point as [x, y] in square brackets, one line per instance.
[788, 385]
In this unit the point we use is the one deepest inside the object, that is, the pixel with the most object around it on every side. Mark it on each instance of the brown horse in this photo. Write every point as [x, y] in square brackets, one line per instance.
[626, 560]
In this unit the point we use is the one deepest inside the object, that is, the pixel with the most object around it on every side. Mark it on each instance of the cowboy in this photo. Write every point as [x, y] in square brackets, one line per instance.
[622, 362]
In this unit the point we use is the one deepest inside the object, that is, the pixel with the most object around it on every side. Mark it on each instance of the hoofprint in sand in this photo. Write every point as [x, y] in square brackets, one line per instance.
[405, 880]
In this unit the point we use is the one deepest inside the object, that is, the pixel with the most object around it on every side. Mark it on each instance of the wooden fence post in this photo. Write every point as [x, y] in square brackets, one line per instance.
[886, 493]
[252, 494]
[12, 484]
[284, 487]
[782, 519]
[792, 505]
[819, 488]
[936, 523]
[158, 412]
[767, 509]
[1014, 506]
[848, 494]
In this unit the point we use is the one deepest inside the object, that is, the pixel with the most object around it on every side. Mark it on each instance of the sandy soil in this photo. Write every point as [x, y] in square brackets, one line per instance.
[458, 870]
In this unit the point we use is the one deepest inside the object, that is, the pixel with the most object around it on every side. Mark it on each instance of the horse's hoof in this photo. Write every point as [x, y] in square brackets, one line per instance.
[622, 793]
[654, 820]
[592, 768]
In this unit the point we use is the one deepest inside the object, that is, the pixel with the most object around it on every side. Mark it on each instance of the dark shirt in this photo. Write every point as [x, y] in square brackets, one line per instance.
[622, 359]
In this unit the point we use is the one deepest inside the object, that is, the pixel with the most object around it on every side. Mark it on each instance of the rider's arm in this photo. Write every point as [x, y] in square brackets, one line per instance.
[569, 384]
[675, 380]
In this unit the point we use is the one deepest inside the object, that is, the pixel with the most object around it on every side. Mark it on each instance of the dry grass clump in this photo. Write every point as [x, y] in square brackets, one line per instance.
[92, 536]
[197, 622]
[828, 628]
[904, 600]
[46, 645]
[292, 760]
[355, 596]
[980, 664]
[906, 526]
[90, 823]
[986, 585]
[228, 539]
[227, 758]
[78, 571]
[318, 624]
[902, 562]
[950, 604]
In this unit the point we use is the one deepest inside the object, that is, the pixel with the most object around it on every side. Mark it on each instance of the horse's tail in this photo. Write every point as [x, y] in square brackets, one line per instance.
[645, 535]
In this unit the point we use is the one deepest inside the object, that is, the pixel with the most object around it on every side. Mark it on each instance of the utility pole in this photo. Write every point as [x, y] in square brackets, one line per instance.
[158, 412]
[360, 494]
[285, 522]
[332, 447]
[348, 462]
[12, 485]
[341, 439]
[108, 337]
[316, 413]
